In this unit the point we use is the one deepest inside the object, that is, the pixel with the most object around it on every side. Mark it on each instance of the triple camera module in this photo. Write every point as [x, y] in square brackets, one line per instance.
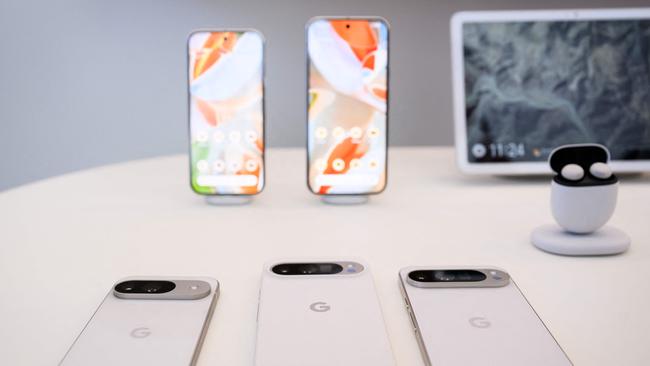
[289, 269]
[456, 275]
[317, 268]
[144, 287]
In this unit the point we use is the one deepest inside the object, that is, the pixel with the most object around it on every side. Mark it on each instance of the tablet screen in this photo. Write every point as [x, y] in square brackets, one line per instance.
[533, 86]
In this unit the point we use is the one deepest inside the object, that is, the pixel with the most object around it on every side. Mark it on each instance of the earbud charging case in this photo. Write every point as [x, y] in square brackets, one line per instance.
[582, 206]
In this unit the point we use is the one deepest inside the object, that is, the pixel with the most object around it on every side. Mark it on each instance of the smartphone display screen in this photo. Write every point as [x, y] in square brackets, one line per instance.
[226, 112]
[347, 105]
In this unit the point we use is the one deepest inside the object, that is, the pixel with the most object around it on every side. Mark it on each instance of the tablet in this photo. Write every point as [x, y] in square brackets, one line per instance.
[526, 82]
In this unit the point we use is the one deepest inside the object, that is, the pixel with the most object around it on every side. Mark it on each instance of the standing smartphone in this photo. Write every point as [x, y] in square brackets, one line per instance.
[475, 316]
[226, 112]
[347, 105]
[147, 321]
[320, 314]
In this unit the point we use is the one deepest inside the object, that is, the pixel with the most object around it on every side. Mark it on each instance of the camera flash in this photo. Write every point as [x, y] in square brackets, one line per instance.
[194, 287]
[495, 275]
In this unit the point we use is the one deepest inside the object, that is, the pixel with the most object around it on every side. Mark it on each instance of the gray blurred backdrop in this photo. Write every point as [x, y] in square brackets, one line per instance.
[90, 82]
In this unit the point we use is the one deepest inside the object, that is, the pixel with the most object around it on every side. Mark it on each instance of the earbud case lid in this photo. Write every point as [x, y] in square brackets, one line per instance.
[584, 155]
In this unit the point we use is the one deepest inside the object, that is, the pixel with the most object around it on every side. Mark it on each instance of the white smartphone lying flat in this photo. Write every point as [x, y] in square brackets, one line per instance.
[475, 316]
[147, 321]
[322, 313]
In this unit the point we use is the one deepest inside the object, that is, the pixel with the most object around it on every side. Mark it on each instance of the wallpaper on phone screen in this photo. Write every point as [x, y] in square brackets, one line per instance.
[348, 93]
[226, 112]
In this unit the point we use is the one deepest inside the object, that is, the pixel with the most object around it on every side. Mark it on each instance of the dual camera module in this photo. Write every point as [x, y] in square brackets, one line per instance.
[145, 287]
[456, 275]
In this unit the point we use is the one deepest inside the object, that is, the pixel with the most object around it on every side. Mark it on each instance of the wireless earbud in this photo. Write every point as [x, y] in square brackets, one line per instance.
[581, 204]
[573, 172]
[600, 170]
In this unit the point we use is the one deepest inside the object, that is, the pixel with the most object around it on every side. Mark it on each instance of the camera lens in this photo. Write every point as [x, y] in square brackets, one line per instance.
[421, 276]
[309, 269]
[145, 287]
[347, 26]
[444, 276]
[152, 287]
[283, 269]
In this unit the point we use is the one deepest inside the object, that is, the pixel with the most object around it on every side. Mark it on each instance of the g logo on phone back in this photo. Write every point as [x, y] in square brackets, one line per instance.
[320, 307]
[142, 332]
[479, 322]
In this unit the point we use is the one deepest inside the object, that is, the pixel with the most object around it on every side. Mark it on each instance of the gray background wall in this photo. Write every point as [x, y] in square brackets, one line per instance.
[89, 82]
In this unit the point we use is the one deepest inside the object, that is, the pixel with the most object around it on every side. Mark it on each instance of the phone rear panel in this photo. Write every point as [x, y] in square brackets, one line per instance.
[479, 326]
[143, 332]
[322, 320]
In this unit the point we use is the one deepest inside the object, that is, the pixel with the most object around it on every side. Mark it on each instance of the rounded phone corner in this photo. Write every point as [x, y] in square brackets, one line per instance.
[380, 19]
[383, 187]
[192, 33]
[259, 33]
[313, 20]
[404, 271]
[204, 194]
[214, 283]
[196, 191]
[311, 189]
[259, 191]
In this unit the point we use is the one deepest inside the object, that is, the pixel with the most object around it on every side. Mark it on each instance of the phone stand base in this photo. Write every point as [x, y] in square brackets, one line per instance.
[351, 199]
[228, 200]
[605, 241]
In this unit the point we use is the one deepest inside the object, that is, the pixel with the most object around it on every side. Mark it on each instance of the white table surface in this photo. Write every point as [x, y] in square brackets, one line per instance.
[64, 241]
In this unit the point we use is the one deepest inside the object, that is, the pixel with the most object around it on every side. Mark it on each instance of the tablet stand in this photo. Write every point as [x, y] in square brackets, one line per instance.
[233, 200]
[348, 199]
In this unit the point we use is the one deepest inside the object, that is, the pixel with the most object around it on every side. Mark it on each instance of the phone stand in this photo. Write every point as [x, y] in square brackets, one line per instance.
[351, 199]
[233, 200]
[583, 199]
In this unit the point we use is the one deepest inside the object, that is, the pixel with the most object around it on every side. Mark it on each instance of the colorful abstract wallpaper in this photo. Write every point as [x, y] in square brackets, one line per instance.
[347, 105]
[226, 112]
